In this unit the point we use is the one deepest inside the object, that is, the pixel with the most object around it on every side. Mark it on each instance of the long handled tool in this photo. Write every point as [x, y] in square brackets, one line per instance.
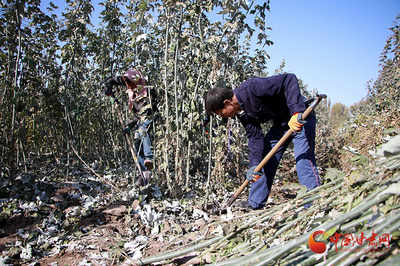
[272, 152]
[128, 140]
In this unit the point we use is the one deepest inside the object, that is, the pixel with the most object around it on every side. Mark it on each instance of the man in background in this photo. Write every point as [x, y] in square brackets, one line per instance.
[141, 101]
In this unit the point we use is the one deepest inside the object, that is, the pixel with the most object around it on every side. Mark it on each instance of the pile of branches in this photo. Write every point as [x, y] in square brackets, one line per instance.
[348, 208]
[360, 205]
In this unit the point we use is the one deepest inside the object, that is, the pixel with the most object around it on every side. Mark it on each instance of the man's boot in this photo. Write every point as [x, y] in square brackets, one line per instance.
[143, 181]
[139, 182]
[146, 177]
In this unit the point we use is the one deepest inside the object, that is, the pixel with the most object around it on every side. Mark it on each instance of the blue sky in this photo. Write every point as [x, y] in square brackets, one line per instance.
[334, 46]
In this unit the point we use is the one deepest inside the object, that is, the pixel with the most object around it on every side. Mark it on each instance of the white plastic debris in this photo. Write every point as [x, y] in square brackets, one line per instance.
[52, 230]
[198, 214]
[156, 191]
[229, 216]
[350, 149]
[26, 253]
[147, 215]
[142, 239]
[84, 262]
[89, 201]
[29, 207]
[23, 234]
[132, 192]
[218, 231]
[334, 214]
[155, 230]
[134, 249]
[95, 256]
[174, 206]
[74, 211]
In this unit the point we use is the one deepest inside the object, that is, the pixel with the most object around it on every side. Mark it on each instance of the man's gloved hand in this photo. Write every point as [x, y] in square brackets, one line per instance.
[296, 122]
[126, 130]
[253, 176]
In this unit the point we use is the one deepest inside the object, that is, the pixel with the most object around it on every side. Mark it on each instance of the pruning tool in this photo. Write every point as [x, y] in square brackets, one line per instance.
[115, 101]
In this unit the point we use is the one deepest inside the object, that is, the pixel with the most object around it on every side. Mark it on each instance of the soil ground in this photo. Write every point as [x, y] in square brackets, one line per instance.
[106, 229]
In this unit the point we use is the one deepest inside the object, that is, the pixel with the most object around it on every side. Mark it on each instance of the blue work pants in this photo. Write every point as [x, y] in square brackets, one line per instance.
[143, 144]
[304, 152]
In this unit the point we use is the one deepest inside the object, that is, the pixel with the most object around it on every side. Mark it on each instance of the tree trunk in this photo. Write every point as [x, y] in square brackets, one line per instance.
[167, 134]
[178, 159]
[13, 138]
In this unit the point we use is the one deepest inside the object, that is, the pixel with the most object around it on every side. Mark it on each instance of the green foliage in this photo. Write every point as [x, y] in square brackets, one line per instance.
[53, 73]
[384, 93]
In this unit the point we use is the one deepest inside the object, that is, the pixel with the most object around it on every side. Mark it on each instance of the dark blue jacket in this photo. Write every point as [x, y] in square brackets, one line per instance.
[263, 99]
